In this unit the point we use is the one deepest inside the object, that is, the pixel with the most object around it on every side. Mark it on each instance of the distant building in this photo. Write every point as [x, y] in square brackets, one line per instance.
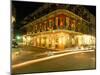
[59, 26]
[13, 20]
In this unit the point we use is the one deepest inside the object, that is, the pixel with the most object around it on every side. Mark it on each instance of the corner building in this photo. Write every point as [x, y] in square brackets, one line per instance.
[58, 29]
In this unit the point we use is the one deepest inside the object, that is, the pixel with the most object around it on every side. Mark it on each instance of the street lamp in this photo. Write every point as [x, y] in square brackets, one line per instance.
[18, 37]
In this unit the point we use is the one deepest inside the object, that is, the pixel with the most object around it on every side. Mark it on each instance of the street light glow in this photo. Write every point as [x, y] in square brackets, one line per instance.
[18, 37]
[13, 19]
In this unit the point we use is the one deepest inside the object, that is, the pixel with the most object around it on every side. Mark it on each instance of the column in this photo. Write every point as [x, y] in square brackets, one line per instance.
[67, 22]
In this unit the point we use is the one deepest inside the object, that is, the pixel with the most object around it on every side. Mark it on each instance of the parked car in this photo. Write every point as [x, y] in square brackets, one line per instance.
[14, 44]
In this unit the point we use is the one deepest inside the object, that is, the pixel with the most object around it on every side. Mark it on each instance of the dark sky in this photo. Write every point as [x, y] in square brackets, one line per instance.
[23, 9]
[92, 9]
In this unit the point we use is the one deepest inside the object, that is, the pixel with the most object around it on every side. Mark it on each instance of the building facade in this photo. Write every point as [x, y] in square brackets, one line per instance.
[59, 28]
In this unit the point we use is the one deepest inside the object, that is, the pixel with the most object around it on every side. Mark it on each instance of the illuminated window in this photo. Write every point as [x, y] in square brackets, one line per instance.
[56, 22]
[45, 23]
[51, 24]
[73, 25]
[62, 21]
[40, 27]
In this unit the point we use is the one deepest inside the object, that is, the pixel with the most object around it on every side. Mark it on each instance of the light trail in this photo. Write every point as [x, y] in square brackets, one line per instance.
[47, 58]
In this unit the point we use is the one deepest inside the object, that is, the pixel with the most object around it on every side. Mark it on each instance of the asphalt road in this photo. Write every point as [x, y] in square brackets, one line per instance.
[20, 55]
[77, 61]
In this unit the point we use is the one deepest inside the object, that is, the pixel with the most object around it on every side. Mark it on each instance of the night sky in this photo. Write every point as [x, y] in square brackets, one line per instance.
[24, 9]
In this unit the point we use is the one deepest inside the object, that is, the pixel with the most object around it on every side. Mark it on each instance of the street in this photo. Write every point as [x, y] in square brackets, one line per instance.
[28, 53]
[58, 61]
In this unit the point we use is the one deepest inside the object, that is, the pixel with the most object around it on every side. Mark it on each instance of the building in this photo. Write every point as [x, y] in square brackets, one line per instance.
[13, 20]
[59, 26]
